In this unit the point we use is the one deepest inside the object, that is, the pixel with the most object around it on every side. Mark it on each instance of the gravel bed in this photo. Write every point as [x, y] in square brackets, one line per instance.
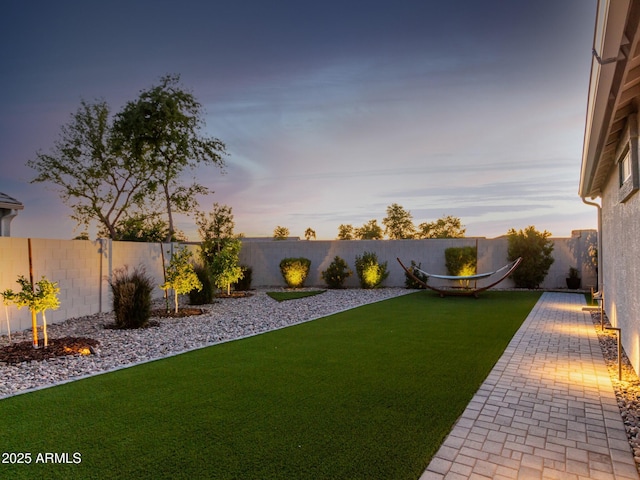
[627, 390]
[226, 319]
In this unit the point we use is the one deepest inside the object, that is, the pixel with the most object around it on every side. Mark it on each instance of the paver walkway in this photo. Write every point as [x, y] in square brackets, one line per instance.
[547, 410]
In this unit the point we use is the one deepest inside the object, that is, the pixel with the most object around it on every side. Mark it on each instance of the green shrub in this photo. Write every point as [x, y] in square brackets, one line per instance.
[244, 283]
[461, 261]
[370, 272]
[179, 275]
[205, 295]
[336, 273]
[535, 249]
[409, 282]
[131, 297]
[295, 271]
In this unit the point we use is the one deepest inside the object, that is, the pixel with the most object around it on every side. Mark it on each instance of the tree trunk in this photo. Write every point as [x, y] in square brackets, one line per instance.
[169, 214]
[176, 300]
[34, 328]
[44, 330]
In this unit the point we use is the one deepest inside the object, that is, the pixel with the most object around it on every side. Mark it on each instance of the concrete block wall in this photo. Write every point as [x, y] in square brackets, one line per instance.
[83, 268]
[73, 264]
[265, 256]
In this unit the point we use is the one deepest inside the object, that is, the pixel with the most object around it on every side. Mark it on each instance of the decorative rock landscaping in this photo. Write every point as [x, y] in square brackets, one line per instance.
[227, 319]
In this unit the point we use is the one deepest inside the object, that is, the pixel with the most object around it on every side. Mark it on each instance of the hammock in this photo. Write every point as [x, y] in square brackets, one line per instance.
[506, 271]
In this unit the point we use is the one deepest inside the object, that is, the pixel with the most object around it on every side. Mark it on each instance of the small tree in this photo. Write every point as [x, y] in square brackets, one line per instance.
[535, 249]
[214, 229]
[38, 298]
[225, 266]
[280, 233]
[398, 224]
[310, 233]
[181, 277]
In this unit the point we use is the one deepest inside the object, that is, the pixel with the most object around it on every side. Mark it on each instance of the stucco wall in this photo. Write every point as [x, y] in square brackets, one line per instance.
[620, 260]
[83, 268]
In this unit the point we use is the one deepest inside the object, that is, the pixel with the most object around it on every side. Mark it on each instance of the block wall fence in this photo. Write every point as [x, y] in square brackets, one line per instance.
[83, 268]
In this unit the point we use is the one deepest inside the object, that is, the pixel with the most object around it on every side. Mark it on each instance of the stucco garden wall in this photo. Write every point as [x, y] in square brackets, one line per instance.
[83, 268]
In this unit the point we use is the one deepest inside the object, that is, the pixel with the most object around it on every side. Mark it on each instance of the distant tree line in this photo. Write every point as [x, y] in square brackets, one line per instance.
[398, 225]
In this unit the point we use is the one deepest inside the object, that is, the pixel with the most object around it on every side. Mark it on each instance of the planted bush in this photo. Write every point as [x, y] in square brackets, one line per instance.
[461, 261]
[409, 282]
[370, 272]
[336, 273]
[244, 283]
[131, 297]
[295, 271]
[205, 295]
[535, 249]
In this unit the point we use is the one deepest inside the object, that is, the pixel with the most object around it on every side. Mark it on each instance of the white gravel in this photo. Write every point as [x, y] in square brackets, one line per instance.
[228, 319]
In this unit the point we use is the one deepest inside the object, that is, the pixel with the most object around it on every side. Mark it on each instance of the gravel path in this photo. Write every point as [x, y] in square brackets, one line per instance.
[228, 319]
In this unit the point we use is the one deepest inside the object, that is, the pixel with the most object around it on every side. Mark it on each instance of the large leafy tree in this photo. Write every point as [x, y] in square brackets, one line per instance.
[444, 227]
[96, 178]
[398, 224]
[162, 129]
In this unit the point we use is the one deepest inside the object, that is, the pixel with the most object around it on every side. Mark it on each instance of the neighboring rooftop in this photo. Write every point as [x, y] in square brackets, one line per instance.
[9, 202]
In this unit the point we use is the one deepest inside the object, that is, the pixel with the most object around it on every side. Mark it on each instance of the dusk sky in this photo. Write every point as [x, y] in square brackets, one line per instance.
[331, 111]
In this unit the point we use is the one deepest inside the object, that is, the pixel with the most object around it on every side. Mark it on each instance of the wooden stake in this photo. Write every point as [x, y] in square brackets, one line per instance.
[34, 320]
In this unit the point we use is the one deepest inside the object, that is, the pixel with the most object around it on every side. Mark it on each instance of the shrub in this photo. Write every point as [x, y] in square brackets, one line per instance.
[370, 272]
[131, 297]
[205, 295]
[409, 282]
[180, 276]
[336, 273]
[295, 271]
[535, 249]
[461, 261]
[244, 283]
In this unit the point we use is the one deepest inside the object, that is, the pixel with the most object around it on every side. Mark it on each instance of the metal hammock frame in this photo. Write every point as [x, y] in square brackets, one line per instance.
[467, 292]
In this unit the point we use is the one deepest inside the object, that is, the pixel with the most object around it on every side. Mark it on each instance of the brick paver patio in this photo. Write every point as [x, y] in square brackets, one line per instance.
[547, 410]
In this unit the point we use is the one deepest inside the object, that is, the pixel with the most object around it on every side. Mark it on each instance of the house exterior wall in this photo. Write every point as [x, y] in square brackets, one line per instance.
[83, 268]
[621, 266]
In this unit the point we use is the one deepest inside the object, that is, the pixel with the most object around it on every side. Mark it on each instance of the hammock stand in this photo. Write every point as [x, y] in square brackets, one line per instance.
[467, 292]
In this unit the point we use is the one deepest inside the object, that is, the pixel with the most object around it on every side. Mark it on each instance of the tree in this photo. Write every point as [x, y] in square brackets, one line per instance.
[140, 227]
[37, 298]
[215, 230]
[310, 233]
[97, 180]
[226, 267]
[180, 275]
[162, 129]
[369, 231]
[535, 249]
[444, 227]
[398, 223]
[280, 233]
[346, 232]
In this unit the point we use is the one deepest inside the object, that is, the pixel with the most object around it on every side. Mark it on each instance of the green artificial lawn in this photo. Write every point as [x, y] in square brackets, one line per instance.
[283, 296]
[365, 394]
